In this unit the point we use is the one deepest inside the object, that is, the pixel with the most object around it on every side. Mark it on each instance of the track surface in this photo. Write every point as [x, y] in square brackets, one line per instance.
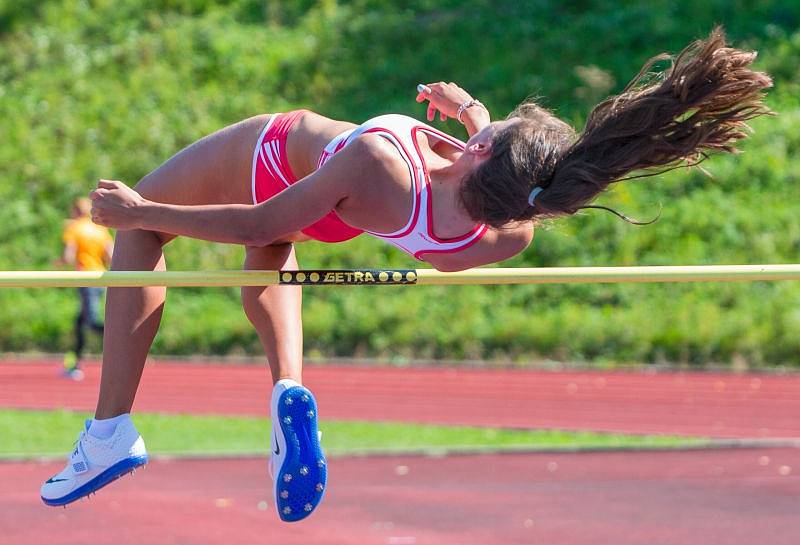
[705, 404]
[724, 497]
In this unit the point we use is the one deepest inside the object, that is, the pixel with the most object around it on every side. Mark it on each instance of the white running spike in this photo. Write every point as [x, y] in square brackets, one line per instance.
[288, 401]
[287, 477]
[287, 510]
[124, 445]
[284, 494]
[304, 470]
[320, 487]
[287, 420]
[308, 507]
[310, 414]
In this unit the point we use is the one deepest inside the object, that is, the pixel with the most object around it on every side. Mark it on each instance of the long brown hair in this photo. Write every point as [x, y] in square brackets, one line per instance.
[698, 105]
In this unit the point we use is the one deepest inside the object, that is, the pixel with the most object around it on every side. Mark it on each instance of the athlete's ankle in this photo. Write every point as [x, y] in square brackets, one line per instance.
[103, 428]
[287, 382]
[106, 411]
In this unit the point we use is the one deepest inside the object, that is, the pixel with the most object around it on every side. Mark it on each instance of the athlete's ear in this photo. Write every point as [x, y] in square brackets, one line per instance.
[480, 148]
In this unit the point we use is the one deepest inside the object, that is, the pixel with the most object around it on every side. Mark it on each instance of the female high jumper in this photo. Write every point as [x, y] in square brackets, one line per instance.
[274, 180]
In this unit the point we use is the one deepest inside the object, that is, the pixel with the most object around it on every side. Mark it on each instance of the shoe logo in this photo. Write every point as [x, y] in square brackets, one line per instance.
[277, 450]
[54, 480]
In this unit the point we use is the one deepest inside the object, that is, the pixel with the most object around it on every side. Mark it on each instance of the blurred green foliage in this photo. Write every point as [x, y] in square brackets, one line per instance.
[113, 87]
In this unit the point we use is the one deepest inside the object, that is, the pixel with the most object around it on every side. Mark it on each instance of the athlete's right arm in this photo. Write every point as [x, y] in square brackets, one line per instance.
[304, 203]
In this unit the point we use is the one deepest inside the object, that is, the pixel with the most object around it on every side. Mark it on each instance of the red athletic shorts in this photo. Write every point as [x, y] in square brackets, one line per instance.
[272, 174]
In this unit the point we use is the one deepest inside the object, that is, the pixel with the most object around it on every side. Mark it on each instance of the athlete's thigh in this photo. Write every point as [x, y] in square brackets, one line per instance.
[214, 170]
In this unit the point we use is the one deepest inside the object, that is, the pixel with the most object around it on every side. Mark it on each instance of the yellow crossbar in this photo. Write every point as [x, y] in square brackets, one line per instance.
[545, 275]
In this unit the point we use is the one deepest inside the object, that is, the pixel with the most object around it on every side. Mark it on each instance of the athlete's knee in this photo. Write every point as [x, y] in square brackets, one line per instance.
[138, 238]
[269, 257]
[273, 257]
[138, 250]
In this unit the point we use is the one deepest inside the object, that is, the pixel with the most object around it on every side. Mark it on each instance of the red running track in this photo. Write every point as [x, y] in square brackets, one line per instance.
[719, 497]
[703, 404]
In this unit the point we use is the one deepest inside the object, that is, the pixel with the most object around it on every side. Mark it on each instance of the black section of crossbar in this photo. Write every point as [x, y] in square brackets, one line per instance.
[348, 277]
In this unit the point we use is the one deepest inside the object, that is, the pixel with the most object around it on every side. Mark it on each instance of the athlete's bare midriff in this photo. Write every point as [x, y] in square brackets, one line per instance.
[307, 139]
[305, 142]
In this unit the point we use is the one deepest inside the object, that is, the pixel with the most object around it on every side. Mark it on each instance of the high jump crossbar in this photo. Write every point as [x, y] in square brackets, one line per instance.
[338, 277]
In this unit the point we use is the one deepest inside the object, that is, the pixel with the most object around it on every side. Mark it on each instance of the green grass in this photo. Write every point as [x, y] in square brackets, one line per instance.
[30, 434]
[112, 88]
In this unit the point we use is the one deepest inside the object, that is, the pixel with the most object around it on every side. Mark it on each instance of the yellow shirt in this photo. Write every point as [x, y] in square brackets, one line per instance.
[90, 242]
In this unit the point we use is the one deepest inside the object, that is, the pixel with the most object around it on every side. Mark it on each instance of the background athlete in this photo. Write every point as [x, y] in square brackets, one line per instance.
[87, 247]
[273, 180]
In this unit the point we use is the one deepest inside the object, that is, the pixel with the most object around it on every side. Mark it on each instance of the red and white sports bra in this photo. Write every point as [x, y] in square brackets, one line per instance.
[416, 237]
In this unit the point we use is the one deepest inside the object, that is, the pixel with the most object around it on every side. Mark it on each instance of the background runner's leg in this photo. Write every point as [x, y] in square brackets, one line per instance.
[93, 309]
[80, 338]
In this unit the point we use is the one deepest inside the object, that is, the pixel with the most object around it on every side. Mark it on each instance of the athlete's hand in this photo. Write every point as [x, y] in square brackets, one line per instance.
[116, 205]
[444, 98]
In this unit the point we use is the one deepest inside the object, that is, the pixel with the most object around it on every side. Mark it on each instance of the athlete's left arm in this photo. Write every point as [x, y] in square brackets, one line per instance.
[447, 99]
[116, 205]
[495, 246]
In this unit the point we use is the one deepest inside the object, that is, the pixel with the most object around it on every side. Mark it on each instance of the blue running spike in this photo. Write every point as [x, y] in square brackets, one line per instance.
[304, 471]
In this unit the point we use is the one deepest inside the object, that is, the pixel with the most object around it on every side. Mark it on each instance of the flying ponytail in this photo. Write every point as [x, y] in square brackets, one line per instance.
[699, 105]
